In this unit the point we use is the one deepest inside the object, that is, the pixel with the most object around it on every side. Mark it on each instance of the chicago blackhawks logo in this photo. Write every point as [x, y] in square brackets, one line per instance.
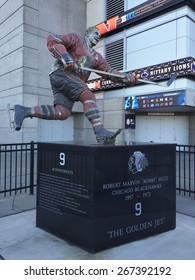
[137, 162]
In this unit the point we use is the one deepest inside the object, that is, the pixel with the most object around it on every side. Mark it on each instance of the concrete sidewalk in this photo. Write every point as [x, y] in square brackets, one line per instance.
[20, 239]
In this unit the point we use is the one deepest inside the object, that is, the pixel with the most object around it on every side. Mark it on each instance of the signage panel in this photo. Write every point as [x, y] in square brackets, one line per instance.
[157, 100]
[158, 72]
[140, 12]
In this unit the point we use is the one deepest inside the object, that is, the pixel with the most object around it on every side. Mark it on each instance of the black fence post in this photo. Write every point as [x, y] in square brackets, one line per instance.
[32, 167]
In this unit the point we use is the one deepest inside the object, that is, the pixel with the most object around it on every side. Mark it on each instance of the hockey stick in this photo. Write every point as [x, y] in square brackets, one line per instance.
[167, 84]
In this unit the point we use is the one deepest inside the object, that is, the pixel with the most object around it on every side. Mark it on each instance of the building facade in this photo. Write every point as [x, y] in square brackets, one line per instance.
[158, 41]
[26, 62]
[154, 38]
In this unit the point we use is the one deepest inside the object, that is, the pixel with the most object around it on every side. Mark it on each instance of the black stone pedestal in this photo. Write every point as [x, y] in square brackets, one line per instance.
[101, 196]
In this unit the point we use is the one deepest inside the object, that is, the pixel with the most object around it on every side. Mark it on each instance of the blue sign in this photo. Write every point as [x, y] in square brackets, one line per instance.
[168, 99]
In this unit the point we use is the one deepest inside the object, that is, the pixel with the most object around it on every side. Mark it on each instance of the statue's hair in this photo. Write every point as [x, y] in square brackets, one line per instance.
[90, 29]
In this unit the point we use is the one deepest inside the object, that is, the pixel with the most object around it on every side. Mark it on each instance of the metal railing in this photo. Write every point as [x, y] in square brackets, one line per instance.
[185, 170]
[18, 168]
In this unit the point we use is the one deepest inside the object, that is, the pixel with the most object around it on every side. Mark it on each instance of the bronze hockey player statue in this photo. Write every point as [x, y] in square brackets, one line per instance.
[68, 82]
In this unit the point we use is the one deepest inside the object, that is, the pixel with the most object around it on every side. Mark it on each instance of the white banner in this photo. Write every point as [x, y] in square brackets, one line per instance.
[97, 269]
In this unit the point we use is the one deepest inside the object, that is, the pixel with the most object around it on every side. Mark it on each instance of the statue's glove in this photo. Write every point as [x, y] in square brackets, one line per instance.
[69, 62]
[130, 78]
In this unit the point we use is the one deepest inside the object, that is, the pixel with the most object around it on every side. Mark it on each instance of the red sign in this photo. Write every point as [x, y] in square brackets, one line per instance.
[107, 26]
